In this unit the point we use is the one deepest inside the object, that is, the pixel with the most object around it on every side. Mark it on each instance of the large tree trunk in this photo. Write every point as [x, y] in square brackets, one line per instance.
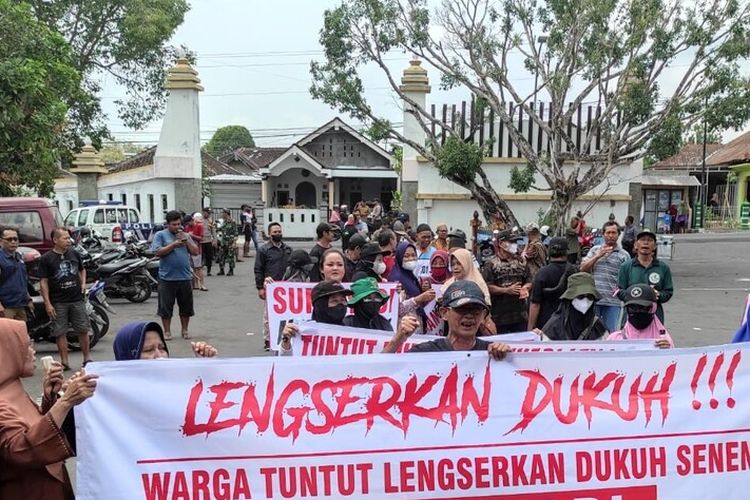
[497, 213]
[560, 209]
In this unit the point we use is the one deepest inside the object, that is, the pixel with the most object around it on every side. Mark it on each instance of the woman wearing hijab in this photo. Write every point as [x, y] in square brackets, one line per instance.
[463, 268]
[366, 301]
[145, 340]
[642, 322]
[32, 446]
[575, 319]
[329, 307]
[413, 298]
[298, 267]
[439, 267]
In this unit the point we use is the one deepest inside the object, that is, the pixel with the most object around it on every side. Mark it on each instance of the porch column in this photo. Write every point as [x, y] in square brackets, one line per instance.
[331, 193]
[263, 192]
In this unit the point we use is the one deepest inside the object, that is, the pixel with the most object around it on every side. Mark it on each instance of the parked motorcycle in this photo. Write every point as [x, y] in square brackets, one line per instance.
[39, 323]
[124, 276]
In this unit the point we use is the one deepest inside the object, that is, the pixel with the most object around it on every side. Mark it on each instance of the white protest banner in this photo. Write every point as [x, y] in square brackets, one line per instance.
[288, 301]
[317, 339]
[434, 323]
[556, 426]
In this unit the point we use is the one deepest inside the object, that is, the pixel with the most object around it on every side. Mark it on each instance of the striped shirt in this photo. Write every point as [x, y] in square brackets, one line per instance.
[606, 271]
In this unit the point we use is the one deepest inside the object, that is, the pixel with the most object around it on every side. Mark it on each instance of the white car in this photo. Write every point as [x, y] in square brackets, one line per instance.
[107, 219]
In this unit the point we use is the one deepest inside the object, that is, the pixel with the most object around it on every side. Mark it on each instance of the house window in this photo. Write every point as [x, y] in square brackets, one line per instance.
[151, 208]
[70, 205]
[110, 196]
[138, 202]
[164, 202]
[124, 198]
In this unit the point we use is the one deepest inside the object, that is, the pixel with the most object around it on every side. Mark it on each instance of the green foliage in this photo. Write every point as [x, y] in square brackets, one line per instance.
[459, 160]
[695, 136]
[397, 201]
[126, 40]
[228, 139]
[37, 79]
[667, 141]
[521, 180]
[613, 54]
[398, 159]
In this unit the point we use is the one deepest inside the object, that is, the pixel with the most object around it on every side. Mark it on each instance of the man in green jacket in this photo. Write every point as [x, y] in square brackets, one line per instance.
[647, 269]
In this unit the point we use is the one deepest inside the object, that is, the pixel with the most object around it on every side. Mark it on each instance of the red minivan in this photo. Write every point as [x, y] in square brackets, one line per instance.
[33, 218]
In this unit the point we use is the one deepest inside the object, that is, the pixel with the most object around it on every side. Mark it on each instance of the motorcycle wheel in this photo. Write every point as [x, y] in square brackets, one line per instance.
[101, 320]
[142, 290]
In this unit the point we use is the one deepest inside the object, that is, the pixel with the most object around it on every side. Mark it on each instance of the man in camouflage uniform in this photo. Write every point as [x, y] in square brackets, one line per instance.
[227, 234]
[507, 277]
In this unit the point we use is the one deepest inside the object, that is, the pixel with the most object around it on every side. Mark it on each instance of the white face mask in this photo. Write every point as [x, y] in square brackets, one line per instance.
[582, 305]
[379, 268]
[512, 248]
[409, 265]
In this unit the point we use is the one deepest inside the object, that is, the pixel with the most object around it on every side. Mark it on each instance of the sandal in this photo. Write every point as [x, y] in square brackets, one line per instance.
[185, 335]
[203, 289]
[167, 336]
[66, 367]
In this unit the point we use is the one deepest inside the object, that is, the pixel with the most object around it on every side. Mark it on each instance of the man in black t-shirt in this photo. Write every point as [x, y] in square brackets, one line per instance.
[549, 284]
[326, 236]
[63, 286]
[464, 308]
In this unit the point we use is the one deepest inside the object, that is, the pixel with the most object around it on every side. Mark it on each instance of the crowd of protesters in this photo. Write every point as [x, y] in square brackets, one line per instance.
[521, 281]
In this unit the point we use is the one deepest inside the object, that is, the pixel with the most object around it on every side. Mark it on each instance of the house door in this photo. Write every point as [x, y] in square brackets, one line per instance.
[305, 195]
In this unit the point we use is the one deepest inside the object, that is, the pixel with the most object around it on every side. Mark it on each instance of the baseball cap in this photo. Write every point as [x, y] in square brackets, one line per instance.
[326, 288]
[371, 250]
[640, 294]
[544, 230]
[507, 235]
[357, 241]
[558, 246]
[463, 292]
[399, 228]
[646, 232]
[533, 226]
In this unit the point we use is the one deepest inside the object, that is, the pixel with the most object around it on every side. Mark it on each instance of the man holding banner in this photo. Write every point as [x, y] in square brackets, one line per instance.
[465, 310]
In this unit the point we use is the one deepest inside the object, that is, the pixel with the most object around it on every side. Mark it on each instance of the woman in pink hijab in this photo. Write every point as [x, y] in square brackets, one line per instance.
[642, 322]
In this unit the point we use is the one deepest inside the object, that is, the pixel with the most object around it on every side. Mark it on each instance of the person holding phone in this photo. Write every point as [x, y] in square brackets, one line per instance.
[604, 261]
[174, 247]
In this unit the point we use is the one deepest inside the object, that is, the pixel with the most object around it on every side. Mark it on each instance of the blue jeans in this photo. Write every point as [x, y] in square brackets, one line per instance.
[610, 316]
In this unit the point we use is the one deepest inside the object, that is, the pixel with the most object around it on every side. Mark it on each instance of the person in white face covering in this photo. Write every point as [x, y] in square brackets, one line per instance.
[370, 264]
[576, 318]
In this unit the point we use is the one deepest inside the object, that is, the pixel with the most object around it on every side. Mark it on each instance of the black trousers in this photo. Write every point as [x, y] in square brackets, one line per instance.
[208, 255]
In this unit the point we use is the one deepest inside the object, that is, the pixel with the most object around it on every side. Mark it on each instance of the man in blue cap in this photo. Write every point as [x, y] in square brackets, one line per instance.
[464, 309]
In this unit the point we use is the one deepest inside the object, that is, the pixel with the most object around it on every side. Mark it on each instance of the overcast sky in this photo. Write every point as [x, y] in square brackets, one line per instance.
[253, 60]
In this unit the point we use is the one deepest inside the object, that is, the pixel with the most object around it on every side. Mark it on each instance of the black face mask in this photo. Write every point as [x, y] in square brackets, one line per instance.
[276, 238]
[370, 309]
[331, 315]
[640, 320]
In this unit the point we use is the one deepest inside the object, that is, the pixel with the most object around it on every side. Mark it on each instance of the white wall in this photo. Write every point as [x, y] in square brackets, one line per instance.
[457, 213]
[66, 192]
[292, 178]
[155, 187]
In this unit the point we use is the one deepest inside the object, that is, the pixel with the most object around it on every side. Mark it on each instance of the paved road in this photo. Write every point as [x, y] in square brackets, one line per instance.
[712, 280]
